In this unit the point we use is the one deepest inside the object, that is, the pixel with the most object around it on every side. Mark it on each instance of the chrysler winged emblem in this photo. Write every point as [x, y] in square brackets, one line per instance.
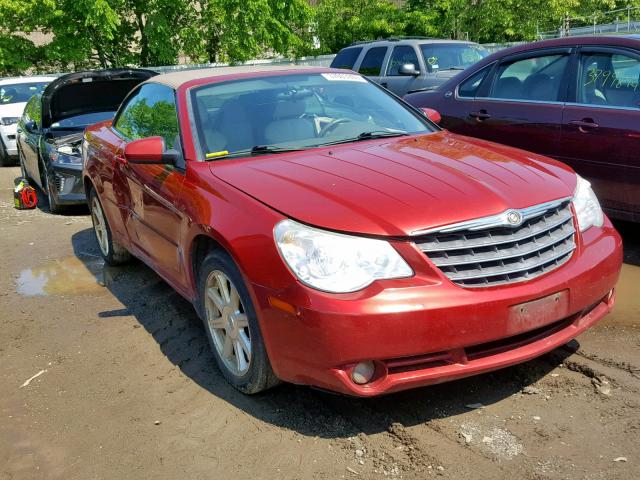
[514, 218]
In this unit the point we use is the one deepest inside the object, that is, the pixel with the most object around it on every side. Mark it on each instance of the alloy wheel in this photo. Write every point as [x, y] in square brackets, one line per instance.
[227, 323]
[100, 226]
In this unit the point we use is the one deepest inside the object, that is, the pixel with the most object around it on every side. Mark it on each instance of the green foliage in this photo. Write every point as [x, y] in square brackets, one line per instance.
[341, 22]
[238, 30]
[107, 33]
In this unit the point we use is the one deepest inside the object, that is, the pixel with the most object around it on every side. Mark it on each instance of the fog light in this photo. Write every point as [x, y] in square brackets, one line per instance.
[363, 372]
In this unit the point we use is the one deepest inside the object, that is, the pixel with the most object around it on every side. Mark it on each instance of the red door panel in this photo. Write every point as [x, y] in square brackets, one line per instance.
[154, 220]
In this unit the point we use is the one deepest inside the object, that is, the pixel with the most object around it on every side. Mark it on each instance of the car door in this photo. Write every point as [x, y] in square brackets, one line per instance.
[372, 62]
[151, 192]
[601, 127]
[395, 81]
[521, 102]
[28, 140]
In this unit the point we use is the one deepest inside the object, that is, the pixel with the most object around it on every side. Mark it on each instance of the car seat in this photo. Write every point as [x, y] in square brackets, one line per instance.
[508, 87]
[288, 124]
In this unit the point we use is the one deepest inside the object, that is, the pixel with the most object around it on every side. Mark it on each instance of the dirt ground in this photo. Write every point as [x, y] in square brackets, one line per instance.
[127, 388]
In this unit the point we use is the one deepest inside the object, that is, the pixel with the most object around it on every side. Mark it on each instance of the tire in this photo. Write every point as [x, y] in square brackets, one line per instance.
[5, 161]
[54, 206]
[23, 170]
[112, 252]
[237, 325]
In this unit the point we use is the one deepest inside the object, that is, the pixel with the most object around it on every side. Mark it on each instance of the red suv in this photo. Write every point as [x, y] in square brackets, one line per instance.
[329, 234]
[575, 99]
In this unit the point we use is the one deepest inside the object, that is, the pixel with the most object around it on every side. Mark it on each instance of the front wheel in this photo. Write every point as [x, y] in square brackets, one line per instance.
[54, 206]
[112, 252]
[232, 326]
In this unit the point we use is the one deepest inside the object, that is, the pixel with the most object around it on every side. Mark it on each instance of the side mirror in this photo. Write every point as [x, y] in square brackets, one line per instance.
[31, 127]
[408, 69]
[149, 151]
[432, 115]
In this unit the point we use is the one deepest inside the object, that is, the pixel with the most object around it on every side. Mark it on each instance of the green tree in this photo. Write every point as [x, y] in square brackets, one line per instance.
[238, 30]
[341, 22]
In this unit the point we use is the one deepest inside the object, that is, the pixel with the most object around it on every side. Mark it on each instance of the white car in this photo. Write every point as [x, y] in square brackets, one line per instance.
[14, 94]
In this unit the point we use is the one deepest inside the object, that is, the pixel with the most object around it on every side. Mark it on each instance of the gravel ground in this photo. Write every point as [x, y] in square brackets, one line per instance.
[126, 388]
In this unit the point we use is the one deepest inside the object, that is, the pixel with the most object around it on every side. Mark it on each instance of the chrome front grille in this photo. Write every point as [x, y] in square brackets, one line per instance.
[486, 252]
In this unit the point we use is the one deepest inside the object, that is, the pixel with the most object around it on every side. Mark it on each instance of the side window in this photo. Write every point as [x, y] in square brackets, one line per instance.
[536, 78]
[401, 55]
[150, 112]
[611, 79]
[32, 111]
[346, 58]
[469, 88]
[372, 61]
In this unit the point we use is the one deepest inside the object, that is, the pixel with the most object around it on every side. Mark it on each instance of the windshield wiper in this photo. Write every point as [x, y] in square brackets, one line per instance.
[262, 149]
[368, 136]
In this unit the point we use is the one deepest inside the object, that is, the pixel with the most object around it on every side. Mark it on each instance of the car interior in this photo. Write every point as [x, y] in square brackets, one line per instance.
[609, 80]
[535, 79]
[289, 116]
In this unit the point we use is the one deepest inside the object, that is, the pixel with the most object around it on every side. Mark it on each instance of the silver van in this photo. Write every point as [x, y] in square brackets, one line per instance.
[408, 64]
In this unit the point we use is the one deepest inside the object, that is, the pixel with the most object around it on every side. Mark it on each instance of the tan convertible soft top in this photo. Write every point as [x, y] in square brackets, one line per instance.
[175, 79]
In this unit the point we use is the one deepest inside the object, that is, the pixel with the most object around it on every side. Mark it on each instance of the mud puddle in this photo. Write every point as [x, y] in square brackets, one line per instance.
[626, 311]
[70, 275]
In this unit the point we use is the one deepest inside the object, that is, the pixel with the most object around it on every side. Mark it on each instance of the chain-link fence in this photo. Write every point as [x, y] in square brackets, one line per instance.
[620, 21]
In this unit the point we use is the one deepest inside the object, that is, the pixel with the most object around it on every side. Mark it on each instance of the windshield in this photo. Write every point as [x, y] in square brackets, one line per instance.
[447, 56]
[20, 92]
[80, 122]
[295, 112]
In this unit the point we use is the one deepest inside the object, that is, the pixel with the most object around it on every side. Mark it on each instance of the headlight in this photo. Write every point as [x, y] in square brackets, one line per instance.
[587, 206]
[6, 121]
[334, 262]
[66, 154]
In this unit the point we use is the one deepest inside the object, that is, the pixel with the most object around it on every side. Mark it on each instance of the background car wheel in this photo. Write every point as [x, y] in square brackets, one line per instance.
[232, 326]
[4, 158]
[112, 252]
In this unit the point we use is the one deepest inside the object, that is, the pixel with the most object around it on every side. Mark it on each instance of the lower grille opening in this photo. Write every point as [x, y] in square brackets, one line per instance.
[504, 344]
[482, 350]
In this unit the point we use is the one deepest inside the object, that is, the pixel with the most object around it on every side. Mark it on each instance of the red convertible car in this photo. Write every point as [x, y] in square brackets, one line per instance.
[329, 234]
[575, 99]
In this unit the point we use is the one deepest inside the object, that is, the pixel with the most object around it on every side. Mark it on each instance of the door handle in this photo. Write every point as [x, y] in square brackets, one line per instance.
[481, 115]
[385, 84]
[585, 124]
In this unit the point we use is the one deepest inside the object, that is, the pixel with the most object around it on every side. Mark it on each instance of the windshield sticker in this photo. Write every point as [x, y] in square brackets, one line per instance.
[343, 77]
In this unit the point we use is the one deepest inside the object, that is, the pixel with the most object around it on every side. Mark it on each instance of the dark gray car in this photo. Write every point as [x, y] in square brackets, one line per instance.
[51, 128]
[404, 65]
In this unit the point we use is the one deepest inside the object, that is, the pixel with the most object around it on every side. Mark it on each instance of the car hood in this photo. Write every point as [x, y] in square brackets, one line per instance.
[399, 187]
[12, 109]
[88, 92]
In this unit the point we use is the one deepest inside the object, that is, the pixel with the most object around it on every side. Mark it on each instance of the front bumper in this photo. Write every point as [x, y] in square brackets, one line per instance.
[426, 330]
[65, 181]
[8, 137]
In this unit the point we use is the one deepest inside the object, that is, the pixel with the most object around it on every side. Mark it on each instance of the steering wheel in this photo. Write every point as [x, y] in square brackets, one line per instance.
[331, 126]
